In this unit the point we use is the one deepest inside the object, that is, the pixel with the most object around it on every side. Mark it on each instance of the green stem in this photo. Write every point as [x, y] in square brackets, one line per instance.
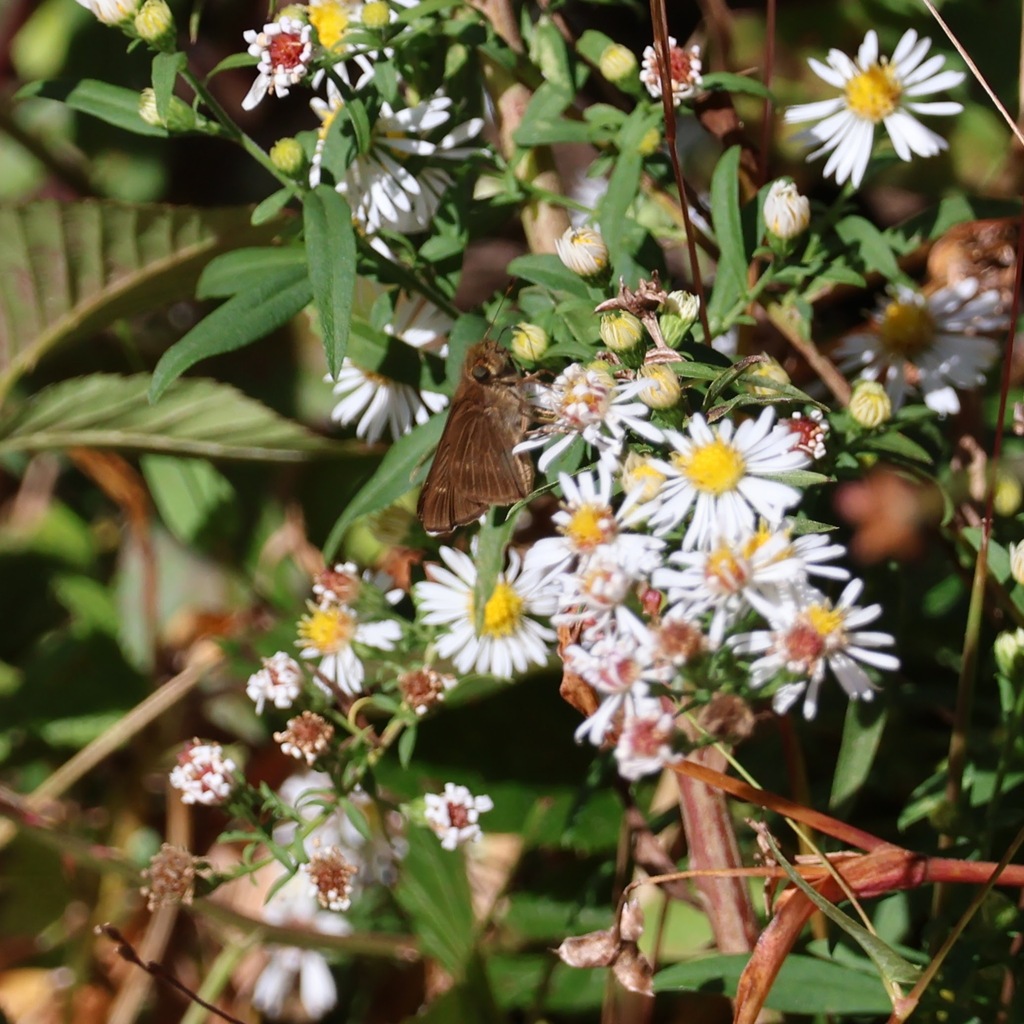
[218, 976]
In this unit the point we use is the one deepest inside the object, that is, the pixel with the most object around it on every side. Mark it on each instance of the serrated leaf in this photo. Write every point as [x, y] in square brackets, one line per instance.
[67, 270]
[243, 319]
[196, 417]
[393, 478]
[731, 275]
[110, 103]
[331, 255]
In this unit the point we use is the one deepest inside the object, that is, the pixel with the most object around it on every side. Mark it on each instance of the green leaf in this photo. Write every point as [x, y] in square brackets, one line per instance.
[331, 255]
[241, 320]
[165, 72]
[196, 417]
[548, 270]
[592, 44]
[271, 206]
[393, 478]
[190, 494]
[804, 985]
[245, 269]
[731, 275]
[870, 246]
[434, 892]
[542, 122]
[67, 270]
[110, 103]
[893, 968]
[895, 443]
[798, 478]
[736, 83]
[862, 733]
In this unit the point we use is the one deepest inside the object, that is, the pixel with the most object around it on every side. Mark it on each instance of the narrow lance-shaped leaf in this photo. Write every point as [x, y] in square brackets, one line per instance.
[731, 276]
[393, 478]
[243, 319]
[331, 255]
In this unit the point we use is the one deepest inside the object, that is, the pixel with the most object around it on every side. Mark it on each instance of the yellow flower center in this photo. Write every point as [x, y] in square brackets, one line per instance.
[826, 620]
[874, 94]
[589, 526]
[503, 611]
[327, 630]
[331, 20]
[640, 475]
[713, 468]
[907, 329]
[757, 540]
[724, 571]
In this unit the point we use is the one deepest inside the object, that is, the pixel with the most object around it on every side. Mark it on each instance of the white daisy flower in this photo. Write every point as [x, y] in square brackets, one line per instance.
[508, 640]
[592, 404]
[293, 906]
[644, 745]
[931, 344]
[383, 191]
[279, 682]
[329, 630]
[809, 634]
[454, 815]
[586, 523]
[203, 775]
[874, 90]
[112, 12]
[379, 403]
[720, 473]
[620, 666]
[599, 591]
[684, 71]
[284, 49]
[722, 577]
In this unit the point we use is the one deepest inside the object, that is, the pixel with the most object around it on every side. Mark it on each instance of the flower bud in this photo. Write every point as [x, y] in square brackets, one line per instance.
[154, 24]
[870, 405]
[678, 314]
[529, 342]
[180, 116]
[1017, 562]
[618, 63]
[288, 156]
[112, 12]
[583, 251]
[620, 331]
[649, 142]
[662, 389]
[604, 370]
[376, 14]
[786, 212]
[769, 370]
[641, 479]
[1008, 494]
[1009, 652]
